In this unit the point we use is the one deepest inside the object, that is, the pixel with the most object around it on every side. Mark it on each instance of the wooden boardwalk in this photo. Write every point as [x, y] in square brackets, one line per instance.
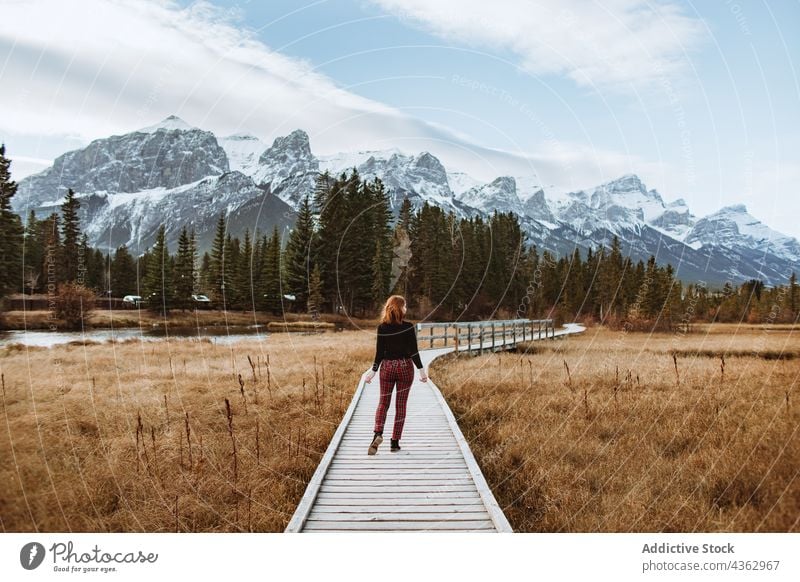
[432, 484]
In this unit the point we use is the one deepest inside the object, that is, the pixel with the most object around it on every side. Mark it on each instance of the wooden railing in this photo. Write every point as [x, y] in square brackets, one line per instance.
[489, 335]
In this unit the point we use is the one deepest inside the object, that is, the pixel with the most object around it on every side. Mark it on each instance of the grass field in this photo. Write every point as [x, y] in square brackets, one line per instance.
[605, 431]
[136, 436]
[616, 432]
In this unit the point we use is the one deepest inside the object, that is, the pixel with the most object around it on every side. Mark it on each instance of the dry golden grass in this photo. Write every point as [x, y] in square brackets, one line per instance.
[606, 432]
[95, 437]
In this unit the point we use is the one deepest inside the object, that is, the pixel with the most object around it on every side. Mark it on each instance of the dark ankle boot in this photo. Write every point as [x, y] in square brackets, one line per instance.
[395, 446]
[377, 439]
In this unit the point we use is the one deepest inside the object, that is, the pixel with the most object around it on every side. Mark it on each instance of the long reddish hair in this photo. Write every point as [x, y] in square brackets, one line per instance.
[393, 309]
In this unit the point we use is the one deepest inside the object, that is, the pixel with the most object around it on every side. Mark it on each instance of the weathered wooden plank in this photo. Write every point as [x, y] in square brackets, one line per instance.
[378, 505]
[427, 516]
[382, 478]
[400, 497]
[394, 473]
[427, 488]
[396, 484]
[399, 525]
[399, 465]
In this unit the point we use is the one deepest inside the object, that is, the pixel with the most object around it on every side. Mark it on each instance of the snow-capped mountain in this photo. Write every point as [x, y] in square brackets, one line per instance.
[501, 194]
[243, 151]
[169, 123]
[420, 177]
[619, 205]
[676, 220]
[537, 207]
[733, 227]
[177, 174]
[166, 155]
[288, 168]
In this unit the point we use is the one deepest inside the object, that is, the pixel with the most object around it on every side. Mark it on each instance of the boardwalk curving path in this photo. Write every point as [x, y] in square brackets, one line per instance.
[432, 484]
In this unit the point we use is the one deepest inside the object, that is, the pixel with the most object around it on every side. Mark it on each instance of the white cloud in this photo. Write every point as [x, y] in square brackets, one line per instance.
[610, 43]
[99, 68]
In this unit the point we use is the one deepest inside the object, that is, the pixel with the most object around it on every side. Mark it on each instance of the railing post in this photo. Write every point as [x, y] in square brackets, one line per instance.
[431, 334]
[469, 336]
[493, 336]
[446, 327]
[456, 338]
[523, 330]
[514, 333]
[480, 334]
[540, 329]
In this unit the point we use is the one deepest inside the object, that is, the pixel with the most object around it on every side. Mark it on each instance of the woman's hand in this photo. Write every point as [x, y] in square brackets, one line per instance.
[370, 375]
[423, 377]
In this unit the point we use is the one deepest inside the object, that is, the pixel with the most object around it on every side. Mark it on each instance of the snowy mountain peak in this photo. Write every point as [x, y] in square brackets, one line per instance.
[733, 227]
[430, 162]
[296, 142]
[537, 207]
[170, 123]
[731, 210]
[625, 183]
[243, 151]
[288, 167]
[500, 195]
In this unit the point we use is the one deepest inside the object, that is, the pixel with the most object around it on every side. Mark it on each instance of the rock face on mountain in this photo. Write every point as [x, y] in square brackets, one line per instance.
[500, 195]
[177, 174]
[537, 207]
[288, 168]
[734, 233]
[158, 157]
[132, 219]
[243, 151]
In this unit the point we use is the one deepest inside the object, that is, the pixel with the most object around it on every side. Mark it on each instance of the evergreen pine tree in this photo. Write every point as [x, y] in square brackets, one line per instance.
[234, 295]
[204, 282]
[216, 267]
[184, 271]
[244, 273]
[98, 275]
[404, 215]
[383, 235]
[51, 245]
[123, 273]
[33, 254]
[11, 232]
[70, 237]
[379, 281]
[299, 260]
[158, 282]
[271, 285]
[315, 293]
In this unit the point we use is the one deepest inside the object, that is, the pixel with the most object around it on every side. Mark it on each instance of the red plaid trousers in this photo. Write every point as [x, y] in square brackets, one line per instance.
[401, 372]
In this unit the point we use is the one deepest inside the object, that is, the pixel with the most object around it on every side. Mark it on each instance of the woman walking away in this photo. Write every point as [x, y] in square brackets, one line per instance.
[397, 354]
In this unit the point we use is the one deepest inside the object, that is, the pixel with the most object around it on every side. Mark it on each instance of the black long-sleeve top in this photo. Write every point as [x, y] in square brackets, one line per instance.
[396, 340]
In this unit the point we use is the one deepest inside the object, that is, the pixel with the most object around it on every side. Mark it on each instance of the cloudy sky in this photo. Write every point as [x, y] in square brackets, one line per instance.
[701, 99]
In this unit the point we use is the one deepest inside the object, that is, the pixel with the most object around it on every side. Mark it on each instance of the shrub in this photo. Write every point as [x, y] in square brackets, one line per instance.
[74, 304]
